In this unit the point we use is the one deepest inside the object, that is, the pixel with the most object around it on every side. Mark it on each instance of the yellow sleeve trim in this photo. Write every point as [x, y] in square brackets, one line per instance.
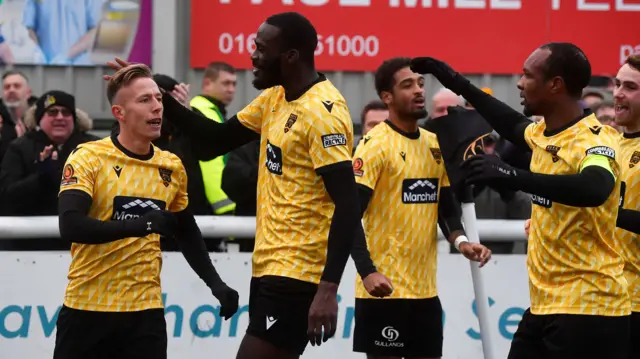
[597, 160]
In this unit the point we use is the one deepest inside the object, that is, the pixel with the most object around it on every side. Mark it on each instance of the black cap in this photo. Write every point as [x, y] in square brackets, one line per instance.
[165, 82]
[55, 98]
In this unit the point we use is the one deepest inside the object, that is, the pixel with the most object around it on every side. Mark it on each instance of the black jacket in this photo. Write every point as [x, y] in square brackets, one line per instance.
[240, 178]
[29, 187]
[8, 131]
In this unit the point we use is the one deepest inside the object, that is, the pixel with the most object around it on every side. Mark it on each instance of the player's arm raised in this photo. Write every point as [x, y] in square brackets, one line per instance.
[330, 136]
[508, 122]
[193, 248]
[590, 187]
[75, 201]
[367, 164]
[211, 139]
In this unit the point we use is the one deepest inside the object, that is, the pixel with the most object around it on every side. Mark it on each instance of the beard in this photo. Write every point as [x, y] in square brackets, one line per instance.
[270, 76]
[528, 111]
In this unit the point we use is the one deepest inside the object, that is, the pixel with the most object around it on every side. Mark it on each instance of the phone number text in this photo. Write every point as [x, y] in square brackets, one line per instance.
[331, 45]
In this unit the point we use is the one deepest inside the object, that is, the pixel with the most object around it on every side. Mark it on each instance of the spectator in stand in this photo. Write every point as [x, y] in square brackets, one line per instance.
[592, 96]
[606, 113]
[372, 114]
[442, 100]
[16, 99]
[32, 167]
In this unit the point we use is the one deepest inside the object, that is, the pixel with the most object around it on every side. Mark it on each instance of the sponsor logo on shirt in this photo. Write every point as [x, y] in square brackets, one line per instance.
[274, 159]
[420, 190]
[603, 151]
[125, 207]
[335, 139]
[541, 201]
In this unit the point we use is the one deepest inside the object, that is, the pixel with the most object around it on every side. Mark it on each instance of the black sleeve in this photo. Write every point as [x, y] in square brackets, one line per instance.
[508, 122]
[210, 138]
[240, 174]
[359, 252]
[589, 188]
[194, 249]
[341, 187]
[449, 210]
[77, 227]
[629, 220]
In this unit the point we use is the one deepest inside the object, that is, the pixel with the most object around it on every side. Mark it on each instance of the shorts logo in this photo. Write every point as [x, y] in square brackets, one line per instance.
[390, 336]
[125, 207]
[541, 201]
[165, 175]
[271, 321]
[602, 151]
[292, 119]
[357, 167]
[274, 159]
[420, 190]
[437, 154]
[332, 140]
[68, 177]
[553, 150]
[635, 158]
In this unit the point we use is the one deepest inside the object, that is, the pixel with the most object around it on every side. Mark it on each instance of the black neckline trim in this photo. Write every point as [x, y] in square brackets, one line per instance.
[631, 135]
[148, 156]
[410, 135]
[549, 133]
[289, 98]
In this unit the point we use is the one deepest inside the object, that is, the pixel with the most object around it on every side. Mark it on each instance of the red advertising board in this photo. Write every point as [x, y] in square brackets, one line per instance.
[474, 36]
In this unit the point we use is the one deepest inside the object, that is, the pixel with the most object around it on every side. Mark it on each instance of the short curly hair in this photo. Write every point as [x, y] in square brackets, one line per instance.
[384, 77]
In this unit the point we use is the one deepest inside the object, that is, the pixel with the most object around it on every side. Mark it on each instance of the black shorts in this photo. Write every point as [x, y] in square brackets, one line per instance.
[279, 311]
[571, 336]
[634, 350]
[399, 327]
[124, 335]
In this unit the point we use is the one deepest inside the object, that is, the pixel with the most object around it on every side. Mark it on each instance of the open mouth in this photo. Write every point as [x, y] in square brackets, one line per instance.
[419, 102]
[156, 122]
[620, 109]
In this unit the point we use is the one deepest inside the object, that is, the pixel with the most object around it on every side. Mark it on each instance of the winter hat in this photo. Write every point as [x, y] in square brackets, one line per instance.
[55, 98]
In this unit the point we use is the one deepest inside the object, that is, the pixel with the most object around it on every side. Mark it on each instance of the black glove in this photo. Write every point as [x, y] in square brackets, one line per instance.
[447, 76]
[49, 172]
[488, 169]
[163, 223]
[228, 299]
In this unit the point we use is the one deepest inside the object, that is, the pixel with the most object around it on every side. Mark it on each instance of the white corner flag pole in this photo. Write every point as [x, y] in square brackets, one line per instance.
[482, 300]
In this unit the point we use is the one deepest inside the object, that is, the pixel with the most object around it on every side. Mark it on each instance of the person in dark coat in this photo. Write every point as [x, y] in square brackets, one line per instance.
[240, 183]
[32, 166]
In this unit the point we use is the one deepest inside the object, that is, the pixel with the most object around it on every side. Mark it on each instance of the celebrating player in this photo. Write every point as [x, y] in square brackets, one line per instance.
[308, 210]
[579, 297]
[402, 179]
[627, 106]
[118, 196]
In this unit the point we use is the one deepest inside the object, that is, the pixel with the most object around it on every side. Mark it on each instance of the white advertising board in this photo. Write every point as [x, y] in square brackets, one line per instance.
[32, 286]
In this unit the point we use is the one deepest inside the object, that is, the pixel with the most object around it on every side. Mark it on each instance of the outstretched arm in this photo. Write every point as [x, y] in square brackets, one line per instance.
[508, 122]
[212, 139]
